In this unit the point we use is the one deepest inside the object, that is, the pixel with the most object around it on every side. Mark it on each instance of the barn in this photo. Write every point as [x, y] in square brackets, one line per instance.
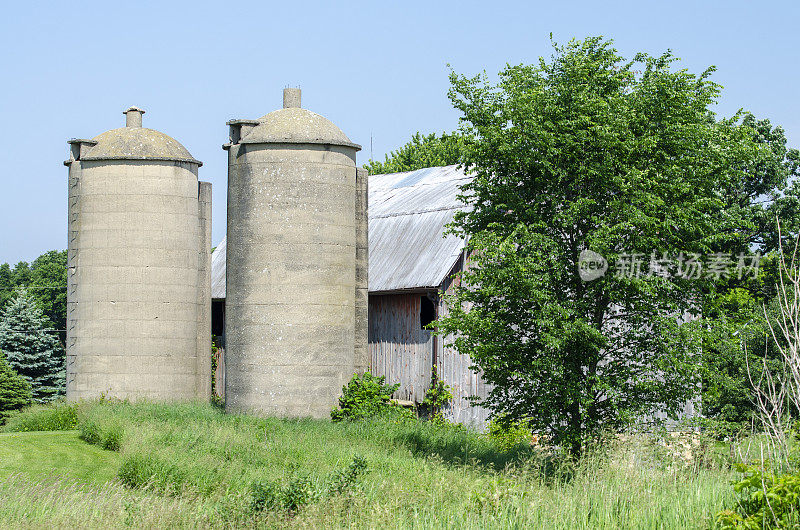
[411, 262]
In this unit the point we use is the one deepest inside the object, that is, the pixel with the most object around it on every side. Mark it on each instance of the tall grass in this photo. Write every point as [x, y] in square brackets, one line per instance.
[59, 416]
[207, 468]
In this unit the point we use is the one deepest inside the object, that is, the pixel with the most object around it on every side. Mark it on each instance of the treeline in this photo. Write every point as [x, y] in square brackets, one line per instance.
[33, 315]
[45, 280]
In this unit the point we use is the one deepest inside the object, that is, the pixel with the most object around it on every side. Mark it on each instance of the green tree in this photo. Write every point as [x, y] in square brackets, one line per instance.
[421, 152]
[46, 281]
[7, 284]
[15, 391]
[48, 286]
[34, 353]
[760, 193]
[589, 151]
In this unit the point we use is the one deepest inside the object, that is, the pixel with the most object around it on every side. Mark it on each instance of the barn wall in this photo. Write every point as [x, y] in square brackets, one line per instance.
[399, 348]
[454, 369]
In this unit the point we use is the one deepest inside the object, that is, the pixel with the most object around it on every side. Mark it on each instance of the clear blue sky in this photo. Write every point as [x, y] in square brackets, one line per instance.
[376, 69]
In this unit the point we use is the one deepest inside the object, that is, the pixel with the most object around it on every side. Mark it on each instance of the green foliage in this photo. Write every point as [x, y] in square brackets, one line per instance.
[32, 351]
[271, 495]
[299, 491]
[57, 416]
[509, 434]
[15, 391]
[766, 500]
[737, 338]
[217, 400]
[591, 151]
[438, 396]
[46, 281]
[421, 152]
[364, 396]
[345, 480]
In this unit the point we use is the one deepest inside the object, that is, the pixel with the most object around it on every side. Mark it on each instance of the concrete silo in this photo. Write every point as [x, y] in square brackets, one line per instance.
[292, 250]
[138, 300]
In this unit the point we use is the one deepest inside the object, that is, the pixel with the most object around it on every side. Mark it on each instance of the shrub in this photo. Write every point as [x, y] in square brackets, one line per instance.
[436, 398]
[364, 396]
[15, 391]
[767, 500]
[270, 495]
[344, 480]
[508, 434]
[58, 416]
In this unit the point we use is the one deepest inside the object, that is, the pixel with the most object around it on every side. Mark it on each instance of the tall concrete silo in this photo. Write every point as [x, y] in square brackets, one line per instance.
[290, 310]
[138, 299]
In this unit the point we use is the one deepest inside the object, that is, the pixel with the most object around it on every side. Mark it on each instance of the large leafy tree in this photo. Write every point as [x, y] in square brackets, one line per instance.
[421, 152]
[48, 286]
[589, 151]
[30, 349]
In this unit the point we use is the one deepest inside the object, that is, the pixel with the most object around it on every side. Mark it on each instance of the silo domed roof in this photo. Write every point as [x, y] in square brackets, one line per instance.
[296, 125]
[135, 142]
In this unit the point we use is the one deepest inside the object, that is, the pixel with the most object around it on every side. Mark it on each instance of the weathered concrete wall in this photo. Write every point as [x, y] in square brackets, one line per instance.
[204, 292]
[361, 353]
[291, 283]
[134, 232]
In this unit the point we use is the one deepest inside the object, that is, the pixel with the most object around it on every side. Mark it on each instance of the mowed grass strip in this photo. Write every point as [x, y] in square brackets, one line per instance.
[55, 455]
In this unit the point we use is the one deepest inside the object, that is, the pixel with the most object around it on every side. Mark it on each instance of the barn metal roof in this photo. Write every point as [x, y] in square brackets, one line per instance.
[408, 213]
[218, 258]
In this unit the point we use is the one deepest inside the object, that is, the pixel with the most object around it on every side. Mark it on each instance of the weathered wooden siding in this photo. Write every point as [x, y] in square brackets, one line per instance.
[454, 369]
[399, 348]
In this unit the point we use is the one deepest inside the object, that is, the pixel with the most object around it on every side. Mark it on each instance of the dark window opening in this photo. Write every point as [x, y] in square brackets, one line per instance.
[427, 312]
[218, 319]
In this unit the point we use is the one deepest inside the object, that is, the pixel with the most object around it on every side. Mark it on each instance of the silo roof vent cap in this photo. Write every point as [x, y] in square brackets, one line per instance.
[133, 117]
[135, 142]
[293, 125]
[291, 98]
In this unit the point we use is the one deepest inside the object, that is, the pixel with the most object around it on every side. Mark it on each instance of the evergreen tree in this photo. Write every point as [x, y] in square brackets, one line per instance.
[15, 391]
[33, 352]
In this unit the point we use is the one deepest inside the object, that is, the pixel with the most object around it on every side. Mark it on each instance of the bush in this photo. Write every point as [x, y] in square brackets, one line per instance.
[436, 398]
[508, 434]
[767, 500]
[271, 496]
[58, 416]
[15, 391]
[344, 480]
[300, 491]
[364, 396]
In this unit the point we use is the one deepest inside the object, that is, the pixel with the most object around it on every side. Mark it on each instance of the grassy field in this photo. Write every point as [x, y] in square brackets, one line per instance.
[56, 455]
[193, 466]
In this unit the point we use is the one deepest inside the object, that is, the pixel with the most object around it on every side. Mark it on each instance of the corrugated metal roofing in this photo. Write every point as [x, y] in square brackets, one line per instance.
[408, 213]
[218, 258]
